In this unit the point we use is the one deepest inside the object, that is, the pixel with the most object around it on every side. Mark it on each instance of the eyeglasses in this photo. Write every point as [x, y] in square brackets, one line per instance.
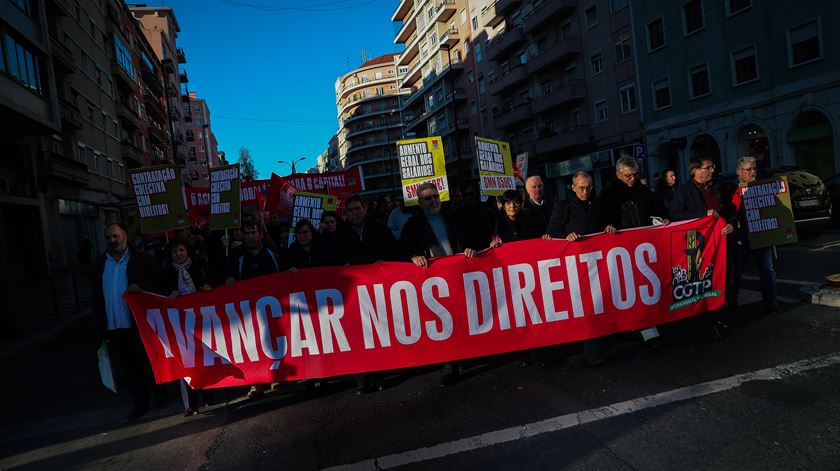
[430, 197]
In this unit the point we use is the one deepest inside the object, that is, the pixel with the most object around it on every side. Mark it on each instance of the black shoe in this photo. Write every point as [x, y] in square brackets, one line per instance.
[190, 412]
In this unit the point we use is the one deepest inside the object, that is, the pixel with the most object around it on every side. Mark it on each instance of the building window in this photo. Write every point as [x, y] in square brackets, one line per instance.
[470, 77]
[623, 48]
[737, 6]
[744, 66]
[601, 113]
[616, 5]
[661, 94]
[804, 43]
[546, 88]
[475, 23]
[24, 5]
[569, 74]
[596, 63]
[380, 91]
[655, 35]
[574, 119]
[591, 17]
[481, 86]
[473, 108]
[463, 15]
[627, 94]
[566, 29]
[692, 15]
[123, 56]
[22, 64]
[698, 81]
[477, 50]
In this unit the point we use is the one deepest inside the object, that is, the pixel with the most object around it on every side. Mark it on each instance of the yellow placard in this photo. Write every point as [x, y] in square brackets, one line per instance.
[495, 166]
[422, 160]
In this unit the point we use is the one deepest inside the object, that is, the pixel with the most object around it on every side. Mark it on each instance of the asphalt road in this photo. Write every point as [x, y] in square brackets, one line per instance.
[644, 409]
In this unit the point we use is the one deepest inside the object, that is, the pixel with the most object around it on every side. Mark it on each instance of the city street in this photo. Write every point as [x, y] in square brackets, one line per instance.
[764, 397]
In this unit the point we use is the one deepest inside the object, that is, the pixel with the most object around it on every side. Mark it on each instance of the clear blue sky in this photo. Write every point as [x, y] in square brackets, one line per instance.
[264, 63]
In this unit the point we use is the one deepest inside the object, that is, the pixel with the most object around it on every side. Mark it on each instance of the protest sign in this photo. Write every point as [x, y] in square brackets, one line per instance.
[495, 168]
[251, 194]
[310, 206]
[225, 211]
[767, 211]
[421, 161]
[330, 321]
[520, 170]
[160, 199]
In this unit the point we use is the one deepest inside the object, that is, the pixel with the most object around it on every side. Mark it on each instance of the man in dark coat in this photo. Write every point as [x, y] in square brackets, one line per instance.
[431, 234]
[628, 203]
[363, 240]
[124, 268]
[698, 198]
[581, 214]
[536, 203]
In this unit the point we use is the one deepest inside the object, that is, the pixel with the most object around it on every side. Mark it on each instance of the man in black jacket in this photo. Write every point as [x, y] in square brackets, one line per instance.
[123, 268]
[698, 198]
[431, 234]
[536, 204]
[581, 214]
[628, 203]
[363, 240]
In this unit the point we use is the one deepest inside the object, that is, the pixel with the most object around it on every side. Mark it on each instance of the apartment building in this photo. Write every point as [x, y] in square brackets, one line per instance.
[202, 147]
[432, 82]
[160, 27]
[369, 124]
[564, 81]
[740, 77]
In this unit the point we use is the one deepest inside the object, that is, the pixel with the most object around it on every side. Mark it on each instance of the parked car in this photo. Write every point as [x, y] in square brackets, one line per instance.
[810, 197]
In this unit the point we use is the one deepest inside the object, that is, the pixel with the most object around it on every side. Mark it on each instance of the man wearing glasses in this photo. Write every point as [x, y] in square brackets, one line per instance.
[581, 214]
[746, 169]
[628, 203]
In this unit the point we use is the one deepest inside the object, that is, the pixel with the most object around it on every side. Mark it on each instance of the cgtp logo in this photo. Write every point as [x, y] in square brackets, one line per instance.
[691, 283]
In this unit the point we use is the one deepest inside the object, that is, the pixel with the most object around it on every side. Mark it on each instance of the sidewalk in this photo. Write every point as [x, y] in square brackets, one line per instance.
[41, 311]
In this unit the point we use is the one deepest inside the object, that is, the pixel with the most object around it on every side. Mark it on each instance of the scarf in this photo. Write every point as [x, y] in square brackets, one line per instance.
[185, 282]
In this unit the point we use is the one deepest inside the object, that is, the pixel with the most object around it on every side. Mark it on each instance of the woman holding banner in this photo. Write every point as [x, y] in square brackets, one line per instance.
[184, 273]
[512, 223]
[308, 249]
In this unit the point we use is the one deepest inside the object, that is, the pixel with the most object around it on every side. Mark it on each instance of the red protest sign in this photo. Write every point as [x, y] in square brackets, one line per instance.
[324, 322]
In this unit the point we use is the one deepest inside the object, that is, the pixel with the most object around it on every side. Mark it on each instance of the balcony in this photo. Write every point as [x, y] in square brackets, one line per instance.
[174, 113]
[555, 54]
[70, 115]
[125, 82]
[450, 38]
[360, 114]
[563, 140]
[185, 98]
[131, 152]
[511, 78]
[403, 10]
[364, 130]
[509, 117]
[505, 42]
[169, 66]
[58, 167]
[128, 116]
[158, 135]
[549, 10]
[445, 10]
[62, 55]
[153, 105]
[57, 8]
[408, 28]
[562, 96]
[182, 76]
[502, 9]
[179, 54]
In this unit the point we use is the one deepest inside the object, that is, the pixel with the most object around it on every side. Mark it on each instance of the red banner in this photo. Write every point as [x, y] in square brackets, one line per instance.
[251, 193]
[348, 181]
[324, 322]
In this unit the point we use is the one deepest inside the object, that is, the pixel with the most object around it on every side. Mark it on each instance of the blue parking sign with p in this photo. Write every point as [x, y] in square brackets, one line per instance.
[639, 151]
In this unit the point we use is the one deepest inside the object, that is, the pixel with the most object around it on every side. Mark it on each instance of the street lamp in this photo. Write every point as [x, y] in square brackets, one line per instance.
[292, 163]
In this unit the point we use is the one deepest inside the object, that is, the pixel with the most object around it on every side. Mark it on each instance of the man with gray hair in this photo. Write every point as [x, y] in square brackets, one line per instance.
[537, 205]
[746, 168]
[628, 203]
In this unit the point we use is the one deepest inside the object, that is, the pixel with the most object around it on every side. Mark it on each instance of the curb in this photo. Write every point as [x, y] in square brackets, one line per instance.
[45, 338]
[821, 295]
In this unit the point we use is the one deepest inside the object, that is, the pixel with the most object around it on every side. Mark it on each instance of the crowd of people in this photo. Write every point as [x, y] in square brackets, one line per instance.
[384, 231]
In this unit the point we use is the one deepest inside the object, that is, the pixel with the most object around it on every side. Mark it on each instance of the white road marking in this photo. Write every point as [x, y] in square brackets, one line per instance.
[562, 422]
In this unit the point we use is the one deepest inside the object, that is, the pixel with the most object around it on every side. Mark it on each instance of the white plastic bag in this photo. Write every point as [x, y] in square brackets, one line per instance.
[105, 370]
